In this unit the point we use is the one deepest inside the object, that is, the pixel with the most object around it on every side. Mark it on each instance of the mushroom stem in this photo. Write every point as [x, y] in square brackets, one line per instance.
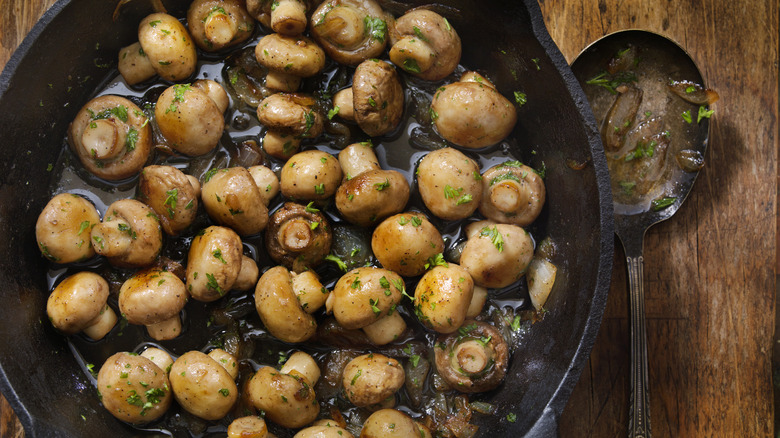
[165, 330]
[471, 357]
[282, 81]
[295, 235]
[386, 330]
[220, 29]
[356, 159]
[103, 139]
[100, 326]
[134, 65]
[343, 100]
[289, 17]
[279, 145]
[412, 54]
[508, 196]
[248, 275]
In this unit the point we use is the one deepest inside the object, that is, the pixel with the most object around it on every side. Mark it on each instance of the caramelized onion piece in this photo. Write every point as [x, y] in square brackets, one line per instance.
[694, 93]
[620, 117]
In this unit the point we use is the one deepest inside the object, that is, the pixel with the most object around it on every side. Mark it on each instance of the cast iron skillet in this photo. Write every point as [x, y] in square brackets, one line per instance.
[61, 63]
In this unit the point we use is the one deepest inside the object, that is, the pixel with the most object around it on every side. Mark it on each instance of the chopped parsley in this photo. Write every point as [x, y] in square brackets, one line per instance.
[376, 28]
[494, 235]
[520, 98]
[704, 113]
[170, 202]
[662, 203]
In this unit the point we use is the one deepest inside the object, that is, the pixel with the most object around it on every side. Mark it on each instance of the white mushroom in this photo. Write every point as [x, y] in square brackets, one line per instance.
[202, 386]
[512, 193]
[279, 308]
[166, 48]
[371, 378]
[154, 298]
[231, 198]
[78, 303]
[425, 45]
[496, 255]
[189, 119]
[129, 236]
[449, 183]
[171, 194]
[133, 389]
[288, 59]
[63, 228]
[405, 242]
[217, 24]
[215, 264]
[350, 31]
[311, 175]
[287, 400]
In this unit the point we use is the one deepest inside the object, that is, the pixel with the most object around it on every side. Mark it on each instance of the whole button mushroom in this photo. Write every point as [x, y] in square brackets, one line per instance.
[370, 193]
[287, 400]
[288, 60]
[472, 113]
[513, 193]
[227, 360]
[129, 236]
[474, 359]
[154, 298]
[202, 386]
[112, 137]
[287, 17]
[78, 303]
[172, 195]
[443, 296]
[165, 49]
[189, 119]
[302, 365]
[367, 296]
[216, 265]
[371, 378]
[425, 45]
[231, 198]
[279, 309]
[63, 227]
[248, 427]
[133, 388]
[160, 358]
[449, 183]
[323, 431]
[403, 243]
[377, 102]
[350, 31]
[496, 255]
[289, 118]
[388, 423]
[298, 237]
[311, 175]
[217, 24]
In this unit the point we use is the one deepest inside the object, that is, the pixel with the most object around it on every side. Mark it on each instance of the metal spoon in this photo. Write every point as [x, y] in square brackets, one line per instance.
[631, 143]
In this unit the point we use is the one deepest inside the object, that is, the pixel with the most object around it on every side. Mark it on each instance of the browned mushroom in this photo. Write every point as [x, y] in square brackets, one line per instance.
[403, 243]
[78, 303]
[350, 31]
[472, 113]
[129, 236]
[112, 137]
[216, 265]
[496, 255]
[449, 183]
[171, 194]
[311, 175]
[189, 119]
[231, 197]
[473, 359]
[425, 45]
[371, 378]
[377, 98]
[154, 298]
[290, 114]
[279, 309]
[287, 17]
[133, 388]
[287, 399]
[216, 24]
[298, 237]
[63, 228]
[288, 59]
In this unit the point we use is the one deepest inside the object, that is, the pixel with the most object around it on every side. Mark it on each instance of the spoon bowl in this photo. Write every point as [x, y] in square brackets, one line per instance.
[650, 101]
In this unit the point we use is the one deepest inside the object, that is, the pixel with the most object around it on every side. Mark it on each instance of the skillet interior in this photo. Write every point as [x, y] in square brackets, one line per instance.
[47, 81]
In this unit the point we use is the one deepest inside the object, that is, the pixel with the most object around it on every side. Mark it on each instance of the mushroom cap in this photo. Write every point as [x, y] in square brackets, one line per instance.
[121, 131]
[168, 46]
[268, 389]
[294, 55]
[232, 198]
[442, 297]
[216, 24]
[403, 243]
[213, 263]
[450, 184]
[63, 227]
[151, 296]
[189, 119]
[294, 241]
[512, 193]
[441, 44]
[137, 225]
[250, 426]
[77, 301]
[350, 31]
[364, 295]
[288, 113]
[202, 386]
[451, 365]
[323, 431]
[168, 191]
[496, 255]
[371, 378]
[378, 98]
[287, 17]
[279, 309]
[390, 423]
[133, 388]
[310, 175]
[372, 196]
[472, 114]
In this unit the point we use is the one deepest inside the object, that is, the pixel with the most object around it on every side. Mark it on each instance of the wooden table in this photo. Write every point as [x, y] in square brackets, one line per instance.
[709, 271]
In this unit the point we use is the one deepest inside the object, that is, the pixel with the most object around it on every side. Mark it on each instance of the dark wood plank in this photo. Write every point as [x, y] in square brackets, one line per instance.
[709, 276]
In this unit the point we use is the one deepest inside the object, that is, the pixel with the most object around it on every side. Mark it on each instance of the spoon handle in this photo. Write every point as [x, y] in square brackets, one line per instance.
[639, 416]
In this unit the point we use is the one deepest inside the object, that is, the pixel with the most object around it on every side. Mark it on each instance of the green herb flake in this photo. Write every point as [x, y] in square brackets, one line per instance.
[416, 221]
[437, 260]
[225, 392]
[335, 259]
[381, 186]
[511, 417]
[311, 209]
[494, 235]
[704, 113]
[411, 66]
[218, 255]
[213, 285]
[686, 115]
[376, 28]
[662, 203]
[414, 360]
[357, 374]
[319, 189]
[170, 202]
[520, 98]
[333, 111]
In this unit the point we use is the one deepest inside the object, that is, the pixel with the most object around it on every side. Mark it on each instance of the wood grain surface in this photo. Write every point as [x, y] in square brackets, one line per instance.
[709, 271]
